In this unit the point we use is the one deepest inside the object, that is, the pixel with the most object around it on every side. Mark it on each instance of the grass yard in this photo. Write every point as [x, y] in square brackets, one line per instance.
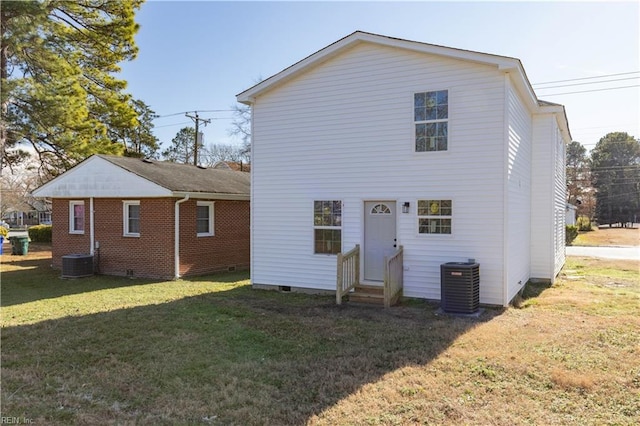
[609, 237]
[106, 350]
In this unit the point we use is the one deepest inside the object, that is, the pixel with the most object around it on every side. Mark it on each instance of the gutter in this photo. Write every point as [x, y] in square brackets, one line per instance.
[211, 196]
[176, 236]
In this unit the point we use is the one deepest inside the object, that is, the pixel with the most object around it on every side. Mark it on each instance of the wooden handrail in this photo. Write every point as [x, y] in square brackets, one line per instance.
[348, 272]
[393, 277]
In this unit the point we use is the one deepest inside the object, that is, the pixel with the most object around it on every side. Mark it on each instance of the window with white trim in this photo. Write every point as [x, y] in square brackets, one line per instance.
[204, 218]
[431, 120]
[76, 217]
[327, 227]
[131, 218]
[434, 216]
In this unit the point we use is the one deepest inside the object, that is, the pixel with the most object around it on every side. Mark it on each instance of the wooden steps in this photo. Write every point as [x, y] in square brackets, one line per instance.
[367, 294]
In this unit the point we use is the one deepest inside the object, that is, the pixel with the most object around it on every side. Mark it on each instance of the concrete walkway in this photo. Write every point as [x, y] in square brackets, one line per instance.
[620, 252]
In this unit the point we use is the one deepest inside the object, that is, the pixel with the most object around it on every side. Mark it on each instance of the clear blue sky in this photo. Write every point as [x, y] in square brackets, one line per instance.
[197, 55]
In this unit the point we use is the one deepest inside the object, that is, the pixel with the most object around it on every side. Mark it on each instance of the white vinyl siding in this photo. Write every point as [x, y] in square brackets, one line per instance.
[559, 201]
[518, 185]
[98, 178]
[355, 142]
[548, 199]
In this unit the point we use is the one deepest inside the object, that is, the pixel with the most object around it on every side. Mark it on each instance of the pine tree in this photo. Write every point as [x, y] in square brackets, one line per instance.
[59, 93]
[181, 149]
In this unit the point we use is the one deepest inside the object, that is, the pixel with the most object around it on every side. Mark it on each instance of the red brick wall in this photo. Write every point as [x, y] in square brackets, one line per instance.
[62, 241]
[149, 255]
[152, 253]
[228, 247]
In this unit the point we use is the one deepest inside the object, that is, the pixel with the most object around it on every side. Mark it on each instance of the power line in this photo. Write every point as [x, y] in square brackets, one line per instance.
[174, 124]
[186, 112]
[592, 90]
[587, 78]
[588, 82]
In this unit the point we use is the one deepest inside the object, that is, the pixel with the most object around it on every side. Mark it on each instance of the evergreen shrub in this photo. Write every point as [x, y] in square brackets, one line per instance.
[40, 233]
[570, 234]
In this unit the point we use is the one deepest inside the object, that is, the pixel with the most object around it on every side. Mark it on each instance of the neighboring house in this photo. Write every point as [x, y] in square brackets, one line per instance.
[33, 212]
[381, 142]
[570, 218]
[148, 218]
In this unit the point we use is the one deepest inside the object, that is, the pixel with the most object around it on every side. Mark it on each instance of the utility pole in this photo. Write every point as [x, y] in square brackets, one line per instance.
[197, 120]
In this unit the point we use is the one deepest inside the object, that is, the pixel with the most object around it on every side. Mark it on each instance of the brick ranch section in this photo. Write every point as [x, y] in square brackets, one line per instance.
[152, 253]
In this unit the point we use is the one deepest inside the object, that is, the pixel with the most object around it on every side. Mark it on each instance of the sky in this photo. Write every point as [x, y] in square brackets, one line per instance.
[197, 55]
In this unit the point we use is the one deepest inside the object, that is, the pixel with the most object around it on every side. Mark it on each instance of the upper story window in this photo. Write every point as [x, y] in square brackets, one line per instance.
[204, 218]
[327, 227]
[76, 217]
[131, 218]
[434, 216]
[431, 120]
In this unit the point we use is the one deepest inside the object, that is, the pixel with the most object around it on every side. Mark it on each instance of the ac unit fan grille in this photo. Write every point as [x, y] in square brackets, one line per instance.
[460, 287]
[77, 265]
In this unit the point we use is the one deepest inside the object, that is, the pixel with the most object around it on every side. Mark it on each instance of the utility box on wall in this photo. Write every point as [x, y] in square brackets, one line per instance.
[460, 287]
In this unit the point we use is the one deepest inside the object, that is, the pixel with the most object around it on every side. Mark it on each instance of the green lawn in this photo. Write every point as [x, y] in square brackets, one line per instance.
[211, 350]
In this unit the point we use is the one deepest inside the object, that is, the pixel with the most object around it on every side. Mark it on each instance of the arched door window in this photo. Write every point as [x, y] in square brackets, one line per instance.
[380, 209]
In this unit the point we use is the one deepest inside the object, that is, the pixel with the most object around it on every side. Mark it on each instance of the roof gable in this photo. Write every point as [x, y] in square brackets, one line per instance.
[501, 62]
[103, 176]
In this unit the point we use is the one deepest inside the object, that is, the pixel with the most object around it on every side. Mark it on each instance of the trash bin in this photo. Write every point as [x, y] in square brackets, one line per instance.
[19, 245]
[1, 244]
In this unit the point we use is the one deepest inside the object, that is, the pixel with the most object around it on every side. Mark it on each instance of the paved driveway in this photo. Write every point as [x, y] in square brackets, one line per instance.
[624, 252]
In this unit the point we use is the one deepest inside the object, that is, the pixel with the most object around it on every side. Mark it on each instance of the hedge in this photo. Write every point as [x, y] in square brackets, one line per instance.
[570, 234]
[40, 233]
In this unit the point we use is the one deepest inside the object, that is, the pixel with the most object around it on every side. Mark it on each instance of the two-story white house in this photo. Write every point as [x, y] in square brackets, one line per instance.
[382, 142]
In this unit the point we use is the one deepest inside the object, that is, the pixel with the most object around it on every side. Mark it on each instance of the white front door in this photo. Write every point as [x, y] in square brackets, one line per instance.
[379, 237]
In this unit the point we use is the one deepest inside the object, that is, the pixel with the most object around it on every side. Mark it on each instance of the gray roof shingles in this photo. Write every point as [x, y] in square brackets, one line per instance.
[178, 177]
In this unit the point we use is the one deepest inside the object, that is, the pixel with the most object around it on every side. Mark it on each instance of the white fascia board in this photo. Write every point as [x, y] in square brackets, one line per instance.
[99, 178]
[212, 196]
[248, 96]
[501, 62]
[561, 118]
[521, 83]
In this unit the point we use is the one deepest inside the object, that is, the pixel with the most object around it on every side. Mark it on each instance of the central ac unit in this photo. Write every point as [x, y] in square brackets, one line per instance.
[460, 287]
[77, 265]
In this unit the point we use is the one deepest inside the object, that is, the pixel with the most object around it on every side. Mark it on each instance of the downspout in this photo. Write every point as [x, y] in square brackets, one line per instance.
[252, 195]
[176, 236]
[92, 234]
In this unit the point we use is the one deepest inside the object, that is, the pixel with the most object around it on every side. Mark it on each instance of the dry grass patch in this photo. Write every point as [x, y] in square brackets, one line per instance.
[609, 237]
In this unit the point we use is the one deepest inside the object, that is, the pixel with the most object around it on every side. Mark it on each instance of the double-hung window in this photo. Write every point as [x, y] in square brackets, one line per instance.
[434, 216]
[431, 120]
[76, 217]
[131, 218]
[204, 218]
[327, 227]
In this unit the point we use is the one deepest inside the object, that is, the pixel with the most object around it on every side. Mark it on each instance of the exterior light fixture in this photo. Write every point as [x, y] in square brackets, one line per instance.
[405, 207]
